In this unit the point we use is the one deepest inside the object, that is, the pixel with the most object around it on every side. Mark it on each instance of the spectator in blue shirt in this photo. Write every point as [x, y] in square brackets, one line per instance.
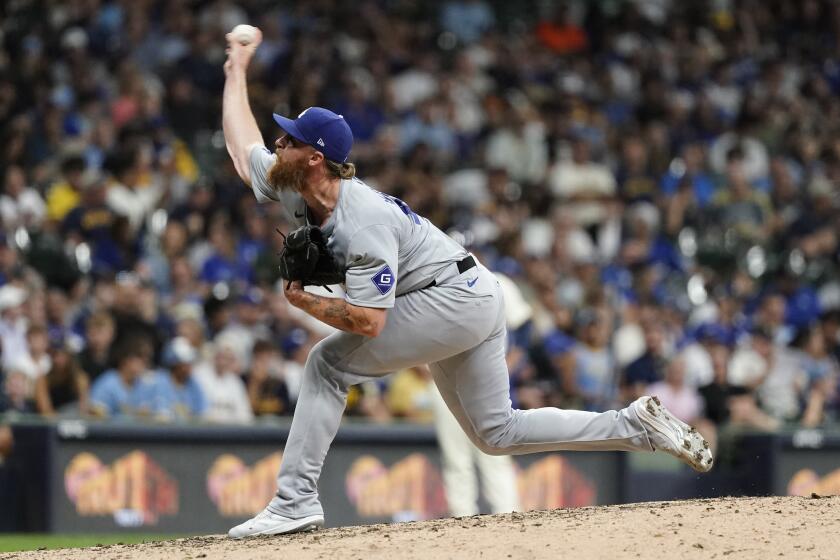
[223, 264]
[689, 171]
[173, 394]
[467, 19]
[113, 393]
[649, 368]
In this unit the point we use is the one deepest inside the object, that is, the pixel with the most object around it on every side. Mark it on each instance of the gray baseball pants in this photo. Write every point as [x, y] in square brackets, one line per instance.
[459, 330]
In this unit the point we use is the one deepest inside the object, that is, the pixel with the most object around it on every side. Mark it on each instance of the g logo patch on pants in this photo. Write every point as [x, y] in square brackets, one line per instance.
[384, 280]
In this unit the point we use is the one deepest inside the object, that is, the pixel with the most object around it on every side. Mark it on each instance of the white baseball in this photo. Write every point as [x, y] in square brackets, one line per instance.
[244, 34]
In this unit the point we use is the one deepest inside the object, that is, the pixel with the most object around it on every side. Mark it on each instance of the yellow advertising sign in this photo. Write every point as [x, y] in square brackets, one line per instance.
[134, 489]
[411, 488]
[238, 490]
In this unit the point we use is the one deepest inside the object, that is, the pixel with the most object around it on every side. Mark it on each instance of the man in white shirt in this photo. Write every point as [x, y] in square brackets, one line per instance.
[13, 324]
[227, 397]
[772, 372]
[126, 196]
[587, 187]
[20, 205]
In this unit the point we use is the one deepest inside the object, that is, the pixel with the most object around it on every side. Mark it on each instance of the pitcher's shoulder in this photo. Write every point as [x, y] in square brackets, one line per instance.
[366, 205]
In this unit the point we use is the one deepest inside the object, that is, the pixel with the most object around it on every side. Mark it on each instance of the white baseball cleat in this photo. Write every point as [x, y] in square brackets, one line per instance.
[673, 436]
[269, 523]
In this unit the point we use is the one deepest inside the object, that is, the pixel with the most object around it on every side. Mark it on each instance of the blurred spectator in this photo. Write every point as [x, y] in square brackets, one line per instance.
[128, 195]
[649, 368]
[821, 371]
[267, 389]
[688, 178]
[697, 355]
[34, 362]
[159, 258]
[60, 316]
[366, 400]
[20, 204]
[740, 207]
[130, 312]
[13, 324]
[65, 194]
[770, 316]
[248, 323]
[557, 345]
[643, 245]
[64, 389]
[95, 357]
[92, 221]
[17, 391]
[222, 264]
[467, 19]
[560, 33]
[587, 187]
[428, 128]
[677, 396]
[772, 372]
[173, 394]
[518, 145]
[114, 393]
[594, 382]
[227, 397]
[408, 395]
[724, 402]
[636, 182]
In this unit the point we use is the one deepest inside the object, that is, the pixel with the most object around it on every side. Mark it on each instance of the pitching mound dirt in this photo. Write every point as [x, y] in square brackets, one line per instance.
[731, 528]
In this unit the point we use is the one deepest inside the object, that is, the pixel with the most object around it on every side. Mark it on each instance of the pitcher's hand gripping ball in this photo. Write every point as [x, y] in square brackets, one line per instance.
[306, 257]
[244, 34]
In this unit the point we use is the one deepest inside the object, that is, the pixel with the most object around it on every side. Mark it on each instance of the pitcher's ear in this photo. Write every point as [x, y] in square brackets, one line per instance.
[316, 158]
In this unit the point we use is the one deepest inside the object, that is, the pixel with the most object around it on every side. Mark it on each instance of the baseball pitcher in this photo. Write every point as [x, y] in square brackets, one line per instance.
[413, 296]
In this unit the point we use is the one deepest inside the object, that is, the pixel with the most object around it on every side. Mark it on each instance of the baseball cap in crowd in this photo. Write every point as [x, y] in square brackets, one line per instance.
[179, 351]
[322, 129]
[713, 332]
[251, 297]
[11, 296]
[296, 338]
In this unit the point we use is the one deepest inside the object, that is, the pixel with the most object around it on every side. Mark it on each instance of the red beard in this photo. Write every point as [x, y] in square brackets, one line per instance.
[287, 175]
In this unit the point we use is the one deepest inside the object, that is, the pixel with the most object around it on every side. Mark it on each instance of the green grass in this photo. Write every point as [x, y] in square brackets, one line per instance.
[33, 541]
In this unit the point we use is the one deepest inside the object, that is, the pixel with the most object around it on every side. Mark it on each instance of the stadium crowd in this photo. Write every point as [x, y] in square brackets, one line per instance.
[655, 181]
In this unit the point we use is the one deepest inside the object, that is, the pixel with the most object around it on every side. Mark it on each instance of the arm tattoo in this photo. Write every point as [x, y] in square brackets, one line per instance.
[336, 312]
[337, 309]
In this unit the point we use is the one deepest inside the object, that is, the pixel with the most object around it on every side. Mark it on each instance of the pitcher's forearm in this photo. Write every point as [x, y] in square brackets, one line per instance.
[238, 122]
[342, 315]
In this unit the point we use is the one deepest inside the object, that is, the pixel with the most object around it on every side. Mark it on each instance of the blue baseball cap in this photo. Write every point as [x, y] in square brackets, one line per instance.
[322, 129]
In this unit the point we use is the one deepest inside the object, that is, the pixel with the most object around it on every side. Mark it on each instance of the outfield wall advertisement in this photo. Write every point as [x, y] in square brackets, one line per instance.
[113, 483]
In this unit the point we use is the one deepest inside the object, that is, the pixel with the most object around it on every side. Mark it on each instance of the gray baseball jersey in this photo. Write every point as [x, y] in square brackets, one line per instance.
[388, 250]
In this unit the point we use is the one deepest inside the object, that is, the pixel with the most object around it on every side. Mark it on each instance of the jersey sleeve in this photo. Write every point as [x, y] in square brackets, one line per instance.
[261, 161]
[372, 259]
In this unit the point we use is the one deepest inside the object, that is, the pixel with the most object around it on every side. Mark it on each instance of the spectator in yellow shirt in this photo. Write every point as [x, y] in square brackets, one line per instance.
[65, 194]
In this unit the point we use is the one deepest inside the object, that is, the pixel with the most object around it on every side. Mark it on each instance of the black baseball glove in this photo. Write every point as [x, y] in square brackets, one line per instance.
[306, 257]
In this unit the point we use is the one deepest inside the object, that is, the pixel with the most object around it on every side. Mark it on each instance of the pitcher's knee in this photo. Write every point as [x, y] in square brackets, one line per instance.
[495, 439]
[490, 449]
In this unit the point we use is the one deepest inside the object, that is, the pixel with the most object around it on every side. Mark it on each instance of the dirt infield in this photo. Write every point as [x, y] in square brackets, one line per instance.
[731, 528]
